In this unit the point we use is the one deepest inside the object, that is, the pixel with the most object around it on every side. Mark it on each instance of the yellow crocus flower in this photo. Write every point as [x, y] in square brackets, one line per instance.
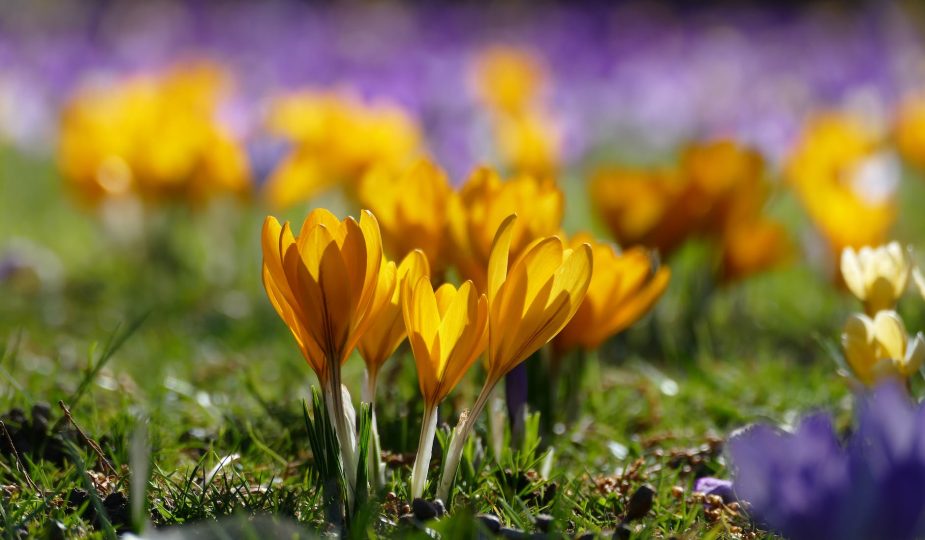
[447, 331]
[878, 277]
[624, 286]
[529, 302]
[484, 202]
[411, 208]
[880, 347]
[323, 284]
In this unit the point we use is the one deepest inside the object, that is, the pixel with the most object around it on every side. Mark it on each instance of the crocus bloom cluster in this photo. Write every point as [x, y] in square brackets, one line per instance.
[335, 139]
[810, 485]
[717, 190]
[845, 180]
[155, 136]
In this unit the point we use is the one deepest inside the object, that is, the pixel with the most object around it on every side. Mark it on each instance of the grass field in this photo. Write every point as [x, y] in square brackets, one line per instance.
[185, 390]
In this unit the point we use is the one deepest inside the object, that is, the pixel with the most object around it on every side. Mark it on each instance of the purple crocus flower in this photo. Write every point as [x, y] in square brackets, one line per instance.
[809, 484]
[709, 485]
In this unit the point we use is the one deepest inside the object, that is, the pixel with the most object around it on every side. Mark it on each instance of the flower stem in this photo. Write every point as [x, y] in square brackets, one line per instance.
[345, 439]
[376, 467]
[425, 449]
[458, 441]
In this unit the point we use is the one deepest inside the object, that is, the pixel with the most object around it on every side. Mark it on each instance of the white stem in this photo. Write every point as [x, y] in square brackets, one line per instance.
[458, 441]
[425, 449]
[344, 437]
[376, 467]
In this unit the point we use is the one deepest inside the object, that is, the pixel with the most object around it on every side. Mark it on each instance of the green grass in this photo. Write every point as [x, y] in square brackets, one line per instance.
[170, 358]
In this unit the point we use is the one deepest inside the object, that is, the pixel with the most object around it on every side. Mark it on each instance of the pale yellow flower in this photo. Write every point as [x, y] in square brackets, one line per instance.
[880, 347]
[876, 276]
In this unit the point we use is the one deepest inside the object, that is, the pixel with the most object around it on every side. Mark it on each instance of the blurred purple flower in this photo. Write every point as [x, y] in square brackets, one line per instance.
[810, 485]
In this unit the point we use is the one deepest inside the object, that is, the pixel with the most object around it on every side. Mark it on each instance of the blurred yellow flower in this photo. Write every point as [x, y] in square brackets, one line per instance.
[484, 202]
[529, 302]
[751, 247]
[624, 286]
[387, 330]
[156, 136]
[878, 277]
[411, 208]
[639, 206]
[909, 129]
[323, 284]
[507, 79]
[529, 143]
[880, 347]
[845, 181]
[510, 81]
[447, 331]
[717, 191]
[336, 138]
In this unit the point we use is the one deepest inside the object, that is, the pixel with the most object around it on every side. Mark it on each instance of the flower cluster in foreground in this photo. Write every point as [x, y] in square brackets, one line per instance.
[812, 485]
[336, 290]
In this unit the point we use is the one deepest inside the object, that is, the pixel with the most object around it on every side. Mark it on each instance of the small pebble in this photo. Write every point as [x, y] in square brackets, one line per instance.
[424, 510]
[490, 521]
[640, 503]
[543, 522]
[622, 532]
[41, 414]
[441, 509]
